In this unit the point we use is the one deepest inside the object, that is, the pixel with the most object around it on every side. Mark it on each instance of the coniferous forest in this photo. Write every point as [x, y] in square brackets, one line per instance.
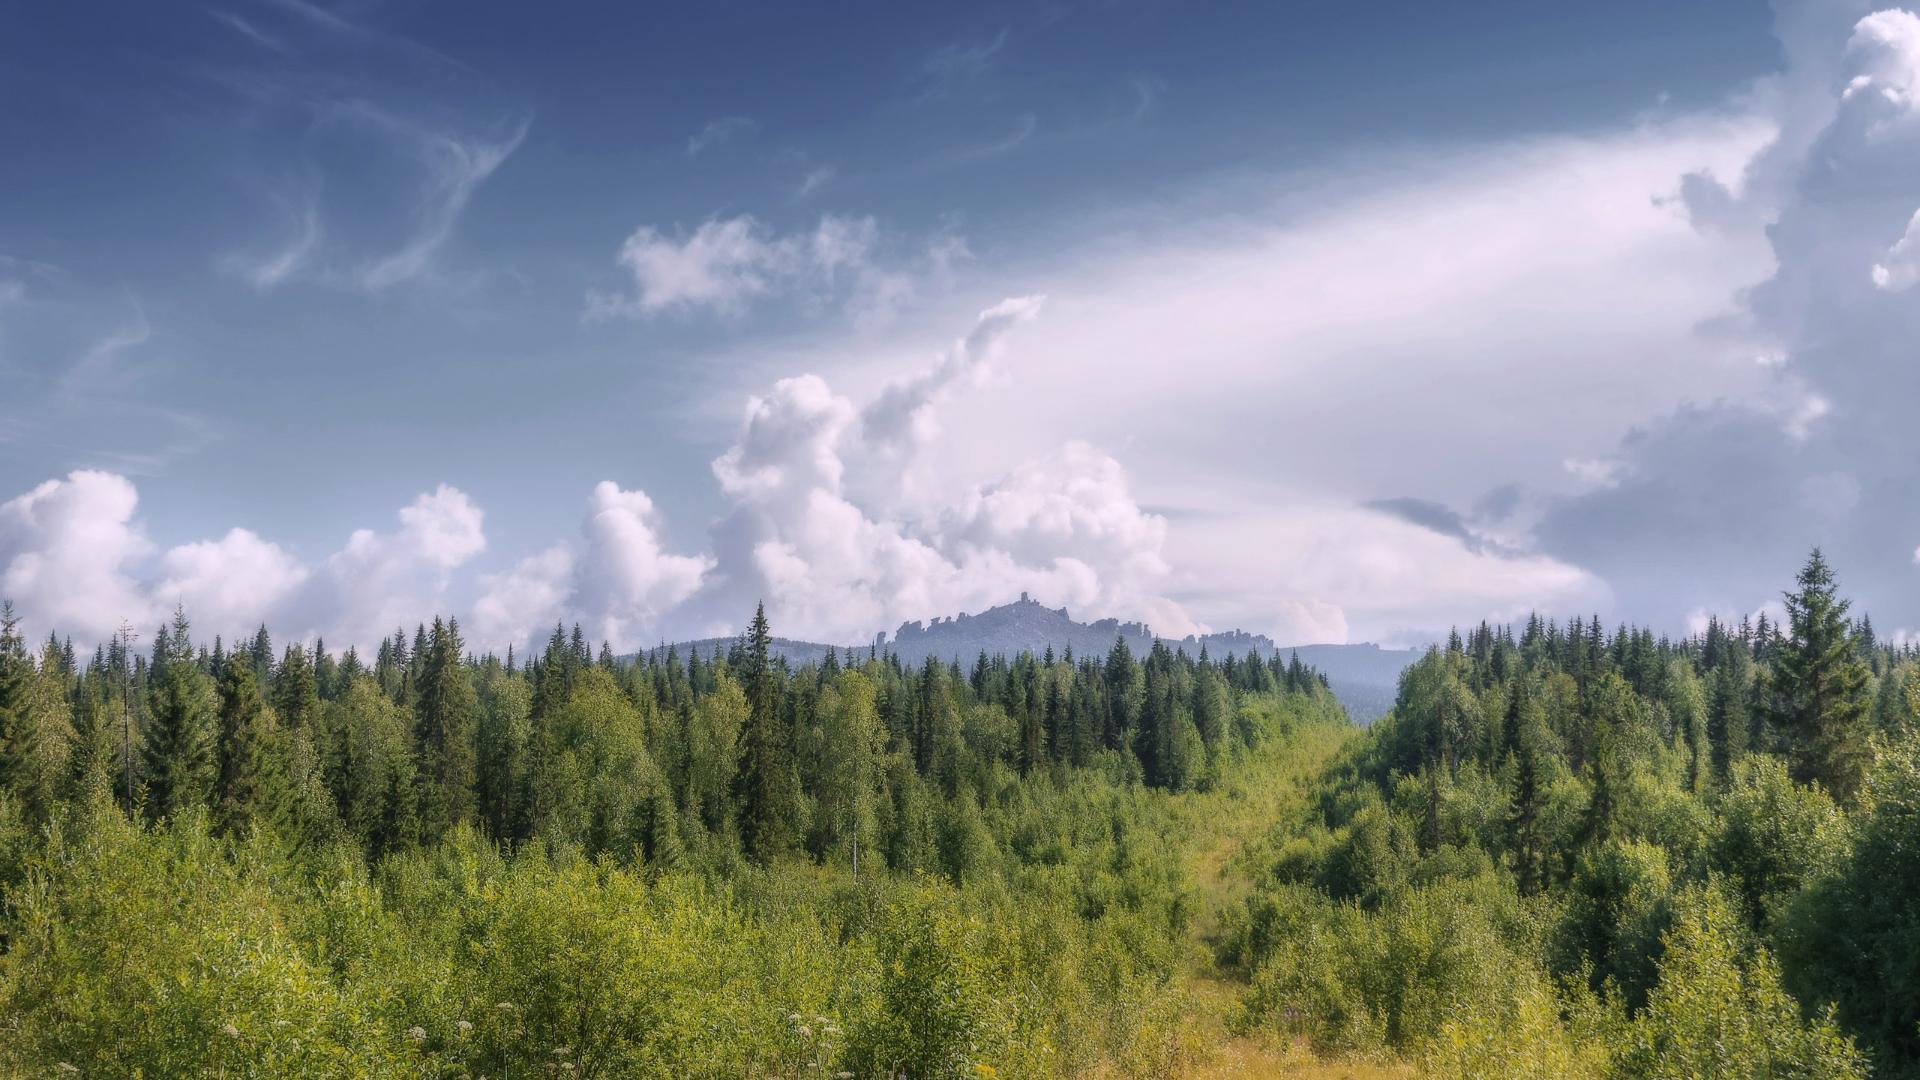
[1568, 851]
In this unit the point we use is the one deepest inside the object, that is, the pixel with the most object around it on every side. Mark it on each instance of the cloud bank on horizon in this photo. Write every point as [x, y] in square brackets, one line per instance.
[1637, 371]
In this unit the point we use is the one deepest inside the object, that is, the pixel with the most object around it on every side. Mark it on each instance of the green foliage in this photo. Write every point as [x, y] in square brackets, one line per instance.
[1774, 837]
[179, 751]
[24, 749]
[1854, 937]
[1719, 1010]
[1564, 853]
[1575, 854]
[1819, 685]
[444, 866]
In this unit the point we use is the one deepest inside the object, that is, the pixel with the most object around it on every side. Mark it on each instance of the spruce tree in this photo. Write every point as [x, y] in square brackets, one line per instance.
[244, 790]
[1819, 685]
[296, 693]
[179, 761]
[444, 722]
[1527, 803]
[1728, 717]
[22, 742]
[769, 789]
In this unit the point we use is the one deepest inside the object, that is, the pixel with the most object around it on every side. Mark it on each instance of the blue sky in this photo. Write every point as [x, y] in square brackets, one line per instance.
[1319, 279]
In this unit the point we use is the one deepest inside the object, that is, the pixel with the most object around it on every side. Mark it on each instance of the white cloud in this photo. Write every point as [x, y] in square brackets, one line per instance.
[455, 166]
[1397, 325]
[67, 552]
[815, 179]
[727, 264]
[237, 581]
[836, 525]
[380, 581]
[1723, 501]
[267, 272]
[627, 579]
[721, 266]
[721, 131]
[1594, 472]
[620, 582]
[516, 603]
[1901, 267]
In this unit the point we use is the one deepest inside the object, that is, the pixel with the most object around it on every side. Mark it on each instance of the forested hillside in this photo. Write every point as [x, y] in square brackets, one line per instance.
[1573, 853]
[1566, 852]
[1361, 675]
[250, 861]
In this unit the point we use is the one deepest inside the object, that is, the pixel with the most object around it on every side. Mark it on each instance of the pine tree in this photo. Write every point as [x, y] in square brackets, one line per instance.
[23, 745]
[1819, 685]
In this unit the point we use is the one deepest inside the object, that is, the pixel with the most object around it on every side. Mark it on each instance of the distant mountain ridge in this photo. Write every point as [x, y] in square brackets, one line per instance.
[1364, 677]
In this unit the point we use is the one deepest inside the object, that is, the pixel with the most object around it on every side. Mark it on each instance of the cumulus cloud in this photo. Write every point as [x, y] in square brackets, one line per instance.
[1901, 267]
[230, 583]
[834, 524]
[1718, 503]
[75, 558]
[1353, 336]
[380, 581]
[68, 549]
[627, 579]
[619, 580]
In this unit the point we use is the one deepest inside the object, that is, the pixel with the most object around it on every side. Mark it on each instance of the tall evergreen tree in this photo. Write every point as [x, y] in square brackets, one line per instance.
[1528, 803]
[444, 720]
[23, 742]
[244, 792]
[769, 790]
[1819, 685]
[296, 690]
[179, 753]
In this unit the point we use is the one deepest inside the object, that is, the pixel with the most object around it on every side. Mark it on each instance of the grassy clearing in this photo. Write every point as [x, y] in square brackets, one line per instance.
[1225, 827]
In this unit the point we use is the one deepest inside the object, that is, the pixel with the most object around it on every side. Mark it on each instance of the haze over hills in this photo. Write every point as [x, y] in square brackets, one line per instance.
[1362, 676]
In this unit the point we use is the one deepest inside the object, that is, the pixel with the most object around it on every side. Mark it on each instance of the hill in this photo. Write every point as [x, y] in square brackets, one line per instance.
[1363, 676]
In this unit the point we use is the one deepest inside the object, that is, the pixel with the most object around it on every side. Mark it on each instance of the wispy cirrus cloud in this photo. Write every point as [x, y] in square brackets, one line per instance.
[246, 29]
[953, 66]
[269, 270]
[455, 167]
[720, 132]
[1023, 128]
[388, 128]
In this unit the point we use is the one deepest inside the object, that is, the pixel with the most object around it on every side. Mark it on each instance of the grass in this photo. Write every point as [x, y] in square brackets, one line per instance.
[1226, 827]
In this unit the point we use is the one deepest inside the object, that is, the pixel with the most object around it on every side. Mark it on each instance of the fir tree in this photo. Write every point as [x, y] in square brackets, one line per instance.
[243, 792]
[179, 754]
[769, 795]
[296, 692]
[23, 744]
[1819, 685]
[1527, 804]
[444, 721]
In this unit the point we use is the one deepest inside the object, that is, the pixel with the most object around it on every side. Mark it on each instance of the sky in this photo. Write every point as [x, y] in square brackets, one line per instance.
[1333, 322]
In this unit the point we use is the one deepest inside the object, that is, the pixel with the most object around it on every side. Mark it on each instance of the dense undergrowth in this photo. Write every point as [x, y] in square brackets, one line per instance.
[1575, 854]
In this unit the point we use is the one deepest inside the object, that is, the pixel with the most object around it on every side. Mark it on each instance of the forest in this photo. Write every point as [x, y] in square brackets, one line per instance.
[1566, 852]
